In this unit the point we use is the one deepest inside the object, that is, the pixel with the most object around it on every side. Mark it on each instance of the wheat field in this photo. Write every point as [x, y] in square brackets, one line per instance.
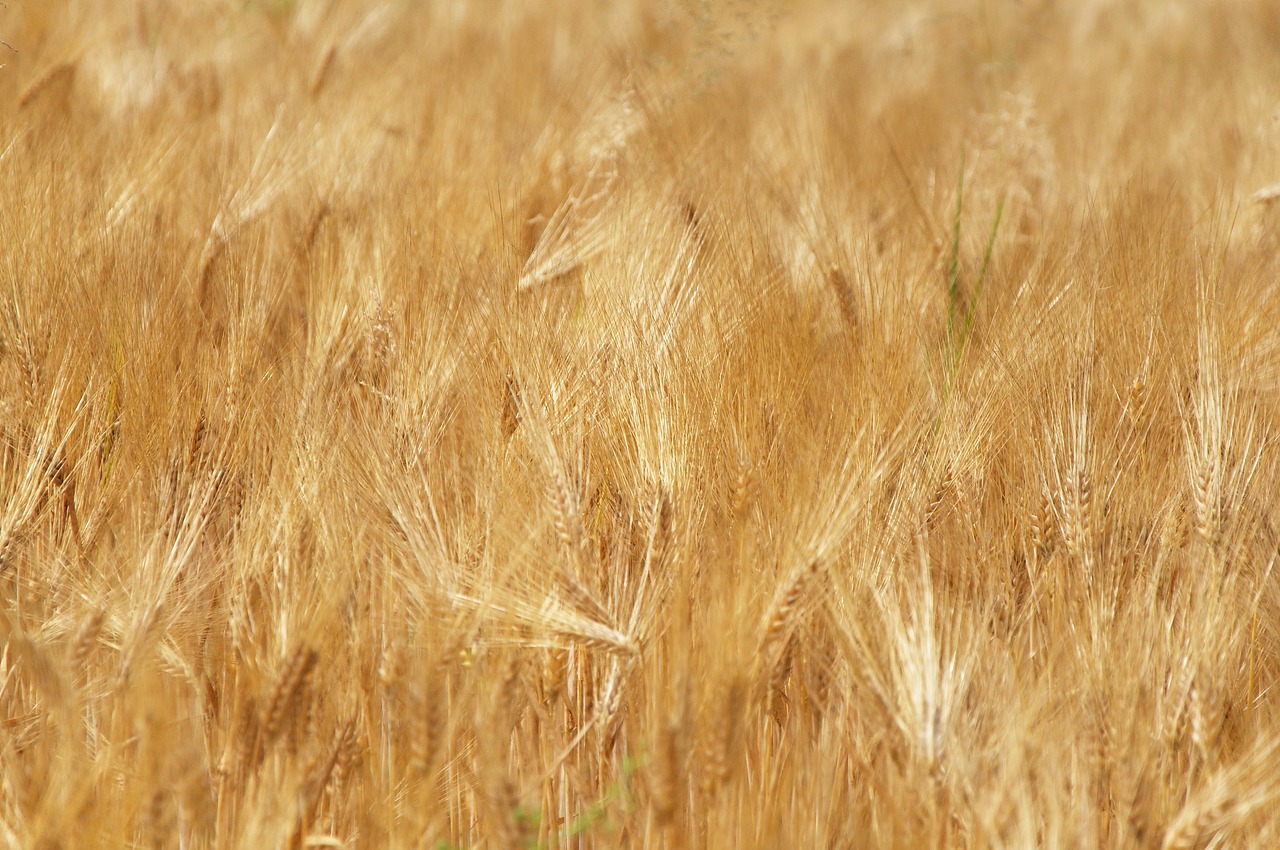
[652, 423]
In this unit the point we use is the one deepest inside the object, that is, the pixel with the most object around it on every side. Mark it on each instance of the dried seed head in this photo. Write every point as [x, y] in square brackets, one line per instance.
[844, 296]
[779, 703]
[286, 698]
[564, 512]
[349, 753]
[1042, 524]
[742, 486]
[1176, 724]
[937, 499]
[321, 72]
[510, 406]
[86, 638]
[1136, 405]
[554, 666]
[719, 747]
[244, 746]
[1206, 490]
[392, 664]
[668, 774]
[1179, 527]
[664, 521]
[312, 228]
[1195, 719]
[1077, 513]
[781, 622]
[60, 74]
[428, 706]
[1192, 828]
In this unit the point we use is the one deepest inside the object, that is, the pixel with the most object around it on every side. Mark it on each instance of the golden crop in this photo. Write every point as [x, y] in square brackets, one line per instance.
[647, 423]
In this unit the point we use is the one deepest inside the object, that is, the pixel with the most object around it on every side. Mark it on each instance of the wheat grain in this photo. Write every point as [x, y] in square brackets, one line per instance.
[54, 75]
[85, 639]
[844, 297]
[508, 424]
[324, 65]
[289, 692]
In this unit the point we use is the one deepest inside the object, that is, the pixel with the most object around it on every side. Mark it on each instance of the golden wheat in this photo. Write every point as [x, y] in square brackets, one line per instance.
[656, 423]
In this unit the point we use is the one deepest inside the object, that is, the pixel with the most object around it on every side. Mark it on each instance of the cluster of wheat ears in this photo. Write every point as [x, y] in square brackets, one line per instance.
[654, 423]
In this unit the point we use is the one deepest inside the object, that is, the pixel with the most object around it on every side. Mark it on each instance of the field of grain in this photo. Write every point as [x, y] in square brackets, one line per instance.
[650, 423]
